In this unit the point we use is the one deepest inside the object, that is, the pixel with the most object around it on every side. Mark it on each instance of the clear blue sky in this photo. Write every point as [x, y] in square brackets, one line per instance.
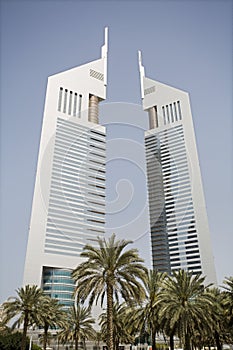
[186, 44]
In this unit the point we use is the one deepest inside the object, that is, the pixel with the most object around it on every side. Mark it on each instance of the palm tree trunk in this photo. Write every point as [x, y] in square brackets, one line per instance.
[187, 341]
[76, 339]
[171, 341]
[45, 336]
[116, 345]
[217, 341]
[24, 337]
[153, 339]
[110, 342]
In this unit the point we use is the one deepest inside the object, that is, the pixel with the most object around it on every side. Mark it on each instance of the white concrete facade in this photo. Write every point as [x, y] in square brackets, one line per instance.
[69, 197]
[176, 198]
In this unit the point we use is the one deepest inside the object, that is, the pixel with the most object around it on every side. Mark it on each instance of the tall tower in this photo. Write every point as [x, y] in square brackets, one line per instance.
[68, 207]
[180, 235]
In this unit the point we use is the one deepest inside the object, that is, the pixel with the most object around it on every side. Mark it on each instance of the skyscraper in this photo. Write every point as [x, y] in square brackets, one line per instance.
[68, 207]
[180, 235]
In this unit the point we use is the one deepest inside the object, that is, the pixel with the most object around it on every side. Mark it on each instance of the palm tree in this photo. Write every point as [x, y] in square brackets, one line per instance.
[227, 303]
[49, 338]
[217, 332]
[79, 325]
[98, 337]
[211, 335]
[185, 304]
[25, 305]
[3, 322]
[49, 315]
[168, 330]
[145, 317]
[220, 331]
[121, 332]
[228, 298]
[110, 272]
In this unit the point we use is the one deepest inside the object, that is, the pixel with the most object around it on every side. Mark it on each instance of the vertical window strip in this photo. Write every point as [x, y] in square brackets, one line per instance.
[156, 116]
[70, 103]
[164, 117]
[60, 99]
[175, 111]
[80, 106]
[171, 112]
[65, 101]
[168, 116]
[179, 110]
[75, 104]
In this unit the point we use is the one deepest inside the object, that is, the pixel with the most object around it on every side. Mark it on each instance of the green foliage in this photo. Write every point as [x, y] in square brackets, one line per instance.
[12, 341]
[110, 271]
[24, 307]
[121, 332]
[36, 347]
[228, 300]
[49, 314]
[109, 264]
[185, 306]
[79, 325]
[176, 306]
[145, 316]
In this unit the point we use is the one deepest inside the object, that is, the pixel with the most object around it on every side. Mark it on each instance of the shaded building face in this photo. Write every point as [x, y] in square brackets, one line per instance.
[180, 237]
[174, 235]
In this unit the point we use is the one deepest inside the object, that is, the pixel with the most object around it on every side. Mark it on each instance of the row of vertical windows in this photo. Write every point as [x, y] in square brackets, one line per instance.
[69, 102]
[171, 113]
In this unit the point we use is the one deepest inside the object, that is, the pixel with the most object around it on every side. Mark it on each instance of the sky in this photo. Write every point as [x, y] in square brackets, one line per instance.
[185, 44]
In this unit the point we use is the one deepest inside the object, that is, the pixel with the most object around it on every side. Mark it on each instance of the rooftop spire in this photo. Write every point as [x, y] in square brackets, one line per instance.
[141, 71]
[104, 53]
